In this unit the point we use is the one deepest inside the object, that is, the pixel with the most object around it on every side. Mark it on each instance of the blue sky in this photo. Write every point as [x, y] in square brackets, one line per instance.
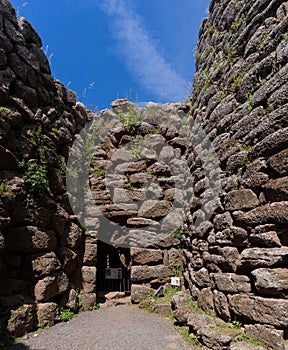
[108, 49]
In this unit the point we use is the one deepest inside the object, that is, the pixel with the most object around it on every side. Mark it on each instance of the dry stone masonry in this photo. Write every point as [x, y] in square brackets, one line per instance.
[236, 265]
[233, 242]
[41, 243]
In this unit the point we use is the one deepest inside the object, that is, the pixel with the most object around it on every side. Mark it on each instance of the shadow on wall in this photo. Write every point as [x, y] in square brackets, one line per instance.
[20, 346]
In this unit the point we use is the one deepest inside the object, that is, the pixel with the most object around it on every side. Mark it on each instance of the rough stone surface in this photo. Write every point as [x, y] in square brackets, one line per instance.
[146, 273]
[257, 309]
[47, 314]
[146, 256]
[51, 286]
[140, 292]
[271, 281]
[22, 320]
[267, 335]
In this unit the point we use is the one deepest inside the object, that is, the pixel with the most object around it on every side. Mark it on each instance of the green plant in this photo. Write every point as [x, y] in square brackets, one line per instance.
[177, 233]
[41, 326]
[130, 118]
[177, 268]
[135, 150]
[3, 186]
[66, 314]
[269, 107]
[262, 40]
[231, 52]
[244, 337]
[246, 148]
[249, 104]
[237, 82]
[239, 19]
[95, 307]
[184, 332]
[285, 37]
[36, 181]
[153, 131]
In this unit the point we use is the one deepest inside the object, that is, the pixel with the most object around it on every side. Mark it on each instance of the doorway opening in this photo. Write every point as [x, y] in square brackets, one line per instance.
[113, 269]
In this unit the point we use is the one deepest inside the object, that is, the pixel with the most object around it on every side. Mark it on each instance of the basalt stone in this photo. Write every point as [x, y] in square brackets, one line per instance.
[140, 292]
[47, 314]
[265, 239]
[30, 35]
[89, 278]
[270, 213]
[221, 305]
[70, 300]
[271, 282]
[266, 335]
[253, 258]
[279, 163]
[241, 199]
[51, 286]
[260, 310]
[276, 190]
[206, 300]
[143, 256]
[30, 239]
[90, 254]
[22, 320]
[146, 273]
[154, 209]
[71, 236]
[45, 264]
[231, 283]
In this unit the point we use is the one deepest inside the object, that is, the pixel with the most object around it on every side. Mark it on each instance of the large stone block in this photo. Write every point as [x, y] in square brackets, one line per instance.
[241, 199]
[142, 256]
[270, 213]
[140, 292]
[266, 335]
[206, 300]
[146, 273]
[22, 320]
[276, 190]
[45, 264]
[154, 209]
[51, 286]
[221, 305]
[271, 282]
[260, 310]
[47, 314]
[89, 279]
[231, 283]
[87, 300]
[90, 253]
[68, 259]
[253, 258]
[30, 239]
[279, 162]
[72, 236]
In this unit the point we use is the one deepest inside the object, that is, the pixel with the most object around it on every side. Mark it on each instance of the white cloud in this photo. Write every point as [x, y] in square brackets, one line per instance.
[141, 54]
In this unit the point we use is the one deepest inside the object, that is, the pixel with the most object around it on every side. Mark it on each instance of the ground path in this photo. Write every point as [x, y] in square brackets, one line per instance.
[123, 327]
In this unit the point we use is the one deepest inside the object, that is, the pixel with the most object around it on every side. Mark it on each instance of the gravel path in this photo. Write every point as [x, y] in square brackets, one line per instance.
[122, 327]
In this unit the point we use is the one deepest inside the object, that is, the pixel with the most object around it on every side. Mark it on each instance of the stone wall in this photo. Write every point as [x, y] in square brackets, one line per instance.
[236, 260]
[235, 240]
[41, 244]
[133, 179]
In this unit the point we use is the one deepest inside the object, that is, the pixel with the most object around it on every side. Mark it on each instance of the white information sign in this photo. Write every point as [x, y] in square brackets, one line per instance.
[175, 281]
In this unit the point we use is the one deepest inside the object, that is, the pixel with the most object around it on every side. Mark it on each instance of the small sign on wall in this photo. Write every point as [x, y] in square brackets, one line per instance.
[175, 281]
[113, 273]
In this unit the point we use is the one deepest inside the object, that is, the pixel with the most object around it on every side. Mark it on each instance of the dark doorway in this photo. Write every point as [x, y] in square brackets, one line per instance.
[113, 269]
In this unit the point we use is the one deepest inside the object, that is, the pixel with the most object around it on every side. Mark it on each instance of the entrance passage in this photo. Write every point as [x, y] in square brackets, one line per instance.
[113, 269]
